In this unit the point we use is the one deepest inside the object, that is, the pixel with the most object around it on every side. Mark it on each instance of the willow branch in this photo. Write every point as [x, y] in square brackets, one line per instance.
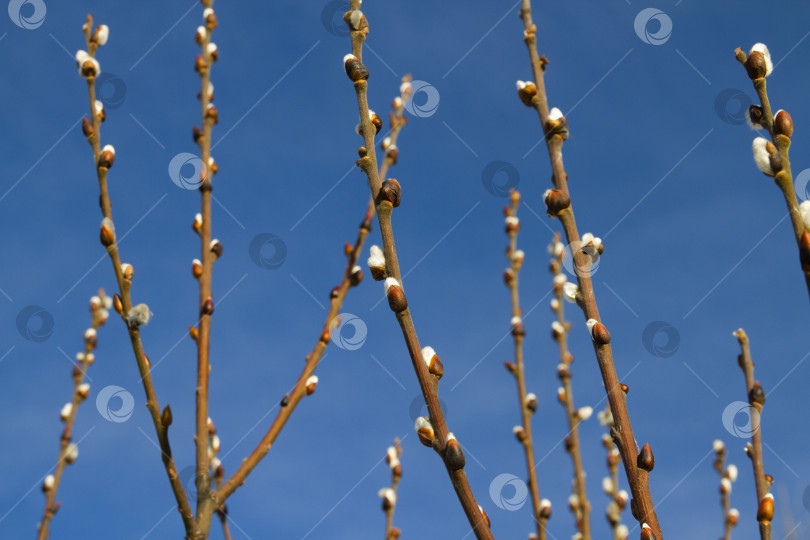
[122, 301]
[210, 116]
[756, 399]
[67, 454]
[389, 494]
[306, 381]
[727, 476]
[579, 503]
[440, 438]
[555, 131]
[528, 403]
[780, 129]
[610, 484]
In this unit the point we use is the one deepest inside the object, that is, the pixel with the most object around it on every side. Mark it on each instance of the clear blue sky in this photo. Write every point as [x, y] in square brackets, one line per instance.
[659, 166]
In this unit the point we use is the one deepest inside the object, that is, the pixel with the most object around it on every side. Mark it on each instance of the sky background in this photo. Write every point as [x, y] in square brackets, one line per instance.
[660, 167]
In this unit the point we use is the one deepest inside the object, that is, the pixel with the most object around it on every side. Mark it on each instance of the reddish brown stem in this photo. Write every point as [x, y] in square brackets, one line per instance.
[515, 262]
[623, 432]
[299, 390]
[124, 285]
[754, 450]
[427, 382]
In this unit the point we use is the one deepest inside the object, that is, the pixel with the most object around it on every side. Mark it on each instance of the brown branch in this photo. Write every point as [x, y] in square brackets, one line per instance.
[780, 129]
[451, 453]
[98, 316]
[528, 404]
[210, 116]
[610, 484]
[306, 383]
[351, 277]
[756, 399]
[132, 317]
[389, 495]
[727, 476]
[555, 131]
[560, 330]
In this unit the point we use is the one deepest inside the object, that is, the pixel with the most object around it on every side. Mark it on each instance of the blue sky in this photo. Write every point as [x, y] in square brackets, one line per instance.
[660, 167]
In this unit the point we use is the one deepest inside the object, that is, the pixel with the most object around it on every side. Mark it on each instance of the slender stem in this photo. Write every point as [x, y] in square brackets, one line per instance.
[784, 178]
[583, 507]
[618, 498]
[392, 533]
[754, 450]
[725, 499]
[427, 382]
[124, 285]
[515, 258]
[98, 318]
[299, 390]
[205, 504]
[623, 431]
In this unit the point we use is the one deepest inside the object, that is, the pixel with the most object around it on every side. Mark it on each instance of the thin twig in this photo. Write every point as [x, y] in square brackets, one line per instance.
[528, 403]
[727, 476]
[210, 116]
[610, 484]
[756, 399]
[579, 503]
[67, 454]
[389, 494]
[780, 129]
[122, 302]
[306, 381]
[555, 131]
[441, 440]
[218, 472]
